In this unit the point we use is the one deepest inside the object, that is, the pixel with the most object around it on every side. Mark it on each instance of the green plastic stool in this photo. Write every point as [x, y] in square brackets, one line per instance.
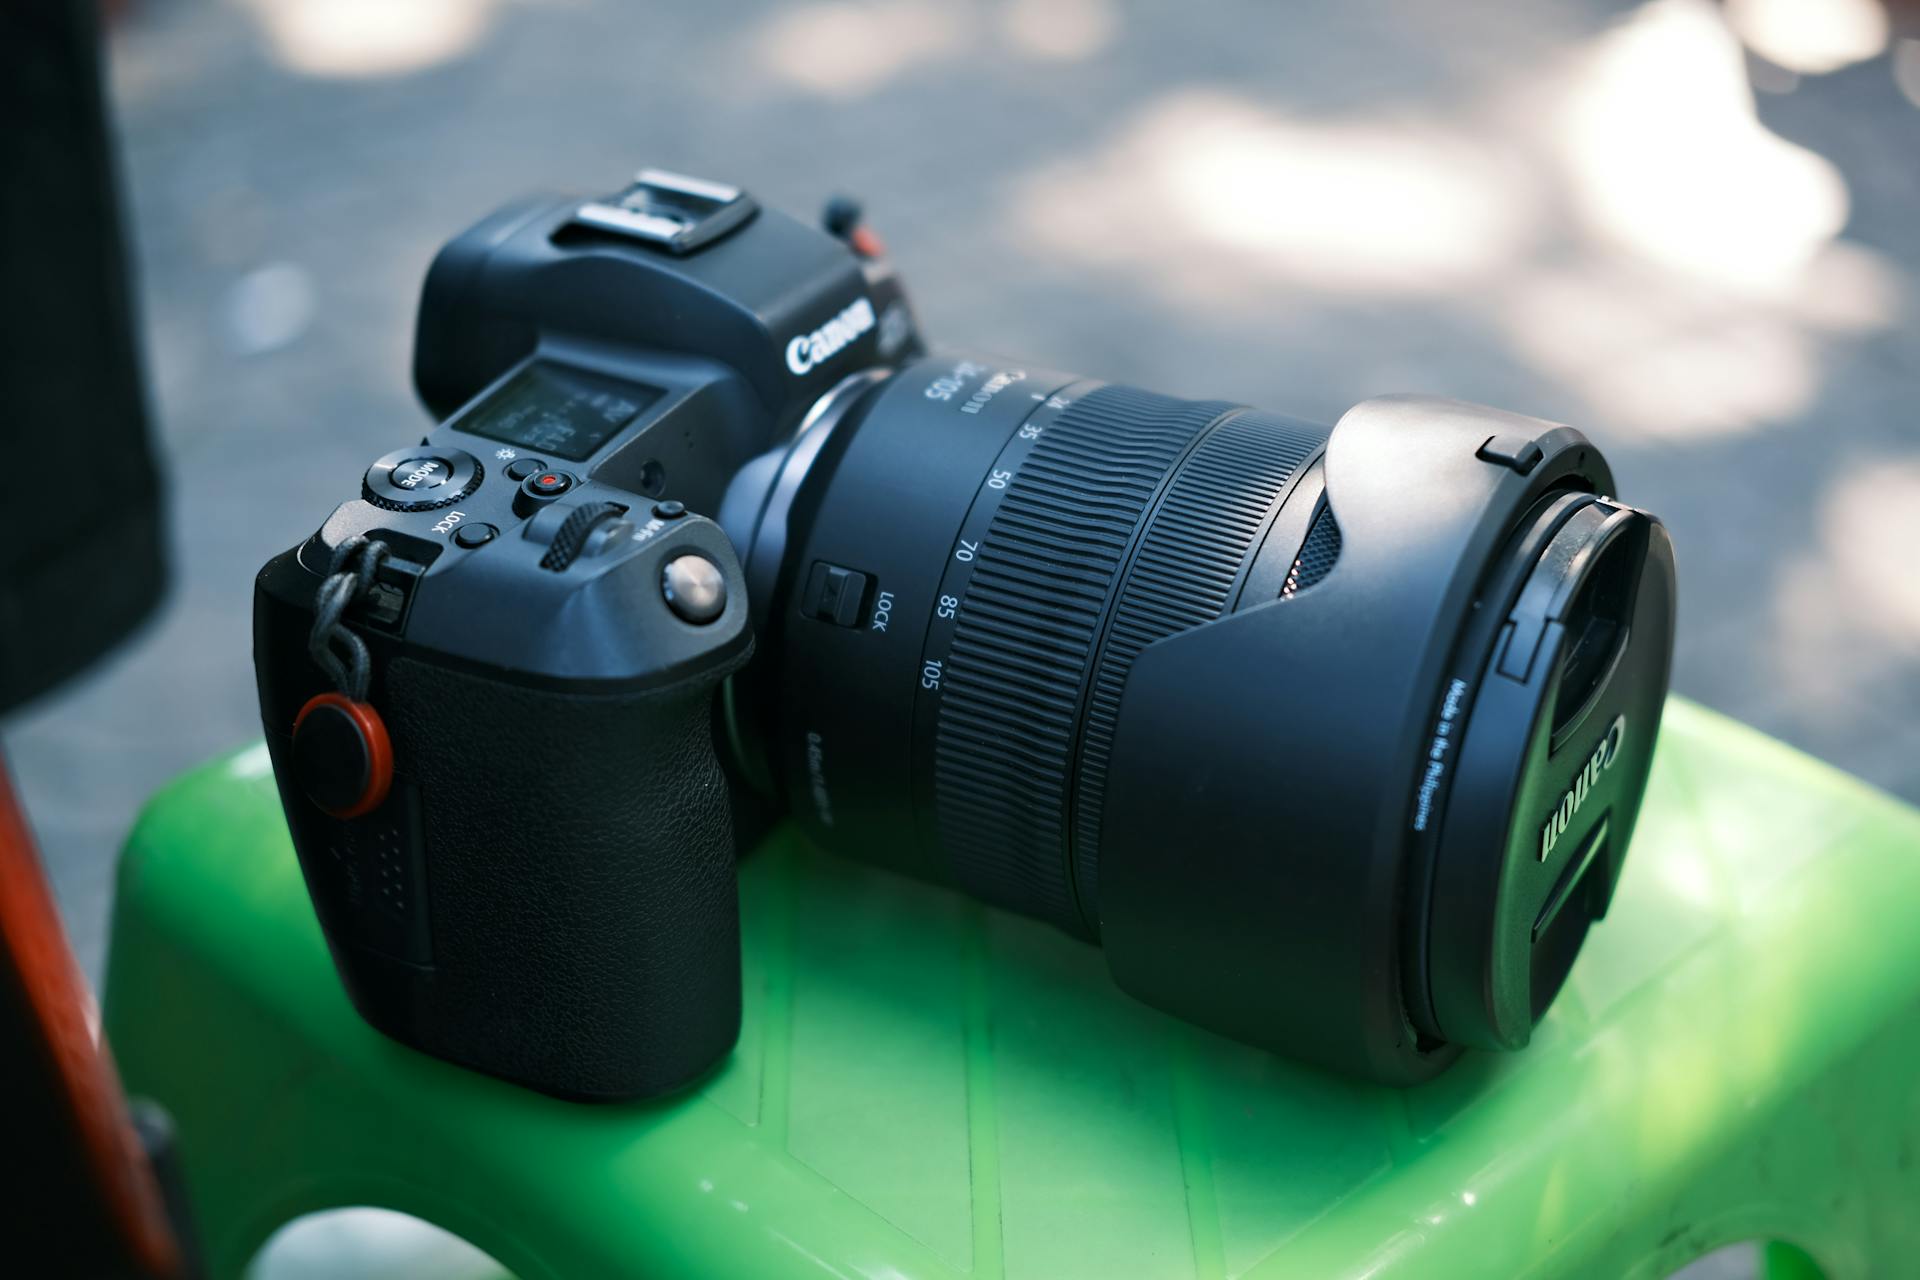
[925, 1088]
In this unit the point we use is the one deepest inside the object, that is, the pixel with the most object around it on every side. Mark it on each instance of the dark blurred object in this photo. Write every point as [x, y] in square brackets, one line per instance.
[81, 563]
[91, 1190]
[84, 1198]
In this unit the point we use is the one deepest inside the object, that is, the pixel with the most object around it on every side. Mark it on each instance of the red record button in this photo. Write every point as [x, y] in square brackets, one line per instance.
[548, 484]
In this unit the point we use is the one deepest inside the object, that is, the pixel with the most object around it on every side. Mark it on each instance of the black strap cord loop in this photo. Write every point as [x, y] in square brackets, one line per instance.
[336, 649]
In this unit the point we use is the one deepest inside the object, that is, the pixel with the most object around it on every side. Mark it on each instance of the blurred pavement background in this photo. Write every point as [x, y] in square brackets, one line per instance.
[1607, 214]
[1693, 231]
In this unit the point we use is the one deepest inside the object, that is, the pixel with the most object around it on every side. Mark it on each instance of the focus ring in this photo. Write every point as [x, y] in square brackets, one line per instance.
[1183, 575]
[1025, 635]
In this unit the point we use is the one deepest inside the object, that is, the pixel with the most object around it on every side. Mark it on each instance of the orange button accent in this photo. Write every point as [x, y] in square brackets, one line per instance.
[373, 732]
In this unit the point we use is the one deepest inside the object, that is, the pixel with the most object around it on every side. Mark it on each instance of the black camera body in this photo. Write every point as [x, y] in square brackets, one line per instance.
[1333, 738]
[515, 831]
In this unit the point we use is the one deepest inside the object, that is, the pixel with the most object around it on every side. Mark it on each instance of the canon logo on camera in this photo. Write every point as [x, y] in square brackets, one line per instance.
[1598, 763]
[811, 350]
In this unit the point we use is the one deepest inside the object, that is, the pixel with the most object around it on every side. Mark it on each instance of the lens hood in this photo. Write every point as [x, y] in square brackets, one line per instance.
[1366, 824]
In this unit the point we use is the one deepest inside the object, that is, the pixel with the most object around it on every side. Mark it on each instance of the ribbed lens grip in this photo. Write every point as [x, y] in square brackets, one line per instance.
[1027, 627]
[1197, 542]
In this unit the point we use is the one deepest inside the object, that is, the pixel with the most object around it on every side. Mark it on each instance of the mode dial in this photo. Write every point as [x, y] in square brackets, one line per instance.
[421, 478]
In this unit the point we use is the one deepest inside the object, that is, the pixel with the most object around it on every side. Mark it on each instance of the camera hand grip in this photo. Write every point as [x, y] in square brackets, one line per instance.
[579, 867]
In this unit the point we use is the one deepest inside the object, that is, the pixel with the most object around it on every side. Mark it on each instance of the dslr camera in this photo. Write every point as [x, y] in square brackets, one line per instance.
[1332, 738]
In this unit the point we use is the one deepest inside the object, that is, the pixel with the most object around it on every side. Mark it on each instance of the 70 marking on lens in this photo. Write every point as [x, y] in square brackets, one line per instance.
[968, 546]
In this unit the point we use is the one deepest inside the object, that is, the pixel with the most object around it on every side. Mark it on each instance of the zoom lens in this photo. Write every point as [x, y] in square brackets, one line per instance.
[1287, 719]
[1113, 518]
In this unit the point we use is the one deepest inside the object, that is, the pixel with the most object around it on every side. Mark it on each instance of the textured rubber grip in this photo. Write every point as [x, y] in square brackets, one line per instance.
[579, 863]
[1184, 573]
[1016, 676]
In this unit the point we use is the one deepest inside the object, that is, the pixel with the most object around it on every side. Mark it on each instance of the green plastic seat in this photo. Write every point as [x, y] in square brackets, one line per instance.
[925, 1088]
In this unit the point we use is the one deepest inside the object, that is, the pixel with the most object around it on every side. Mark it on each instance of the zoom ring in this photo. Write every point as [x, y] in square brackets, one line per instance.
[1016, 673]
[1191, 556]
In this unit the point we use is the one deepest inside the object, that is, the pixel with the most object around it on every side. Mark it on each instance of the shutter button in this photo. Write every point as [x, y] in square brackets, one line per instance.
[694, 588]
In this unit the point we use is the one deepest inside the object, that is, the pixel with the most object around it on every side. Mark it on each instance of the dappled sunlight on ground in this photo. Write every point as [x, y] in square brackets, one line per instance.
[1870, 522]
[1906, 69]
[1845, 625]
[1661, 355]
[1213, 194]
[849, 49]
[845, 50]
[1710, 273]
[1059, 30]
[1572, 210]
[1575, 210]
[1810, 36]
[1666, 157]
[1621, 215]
[349, 38]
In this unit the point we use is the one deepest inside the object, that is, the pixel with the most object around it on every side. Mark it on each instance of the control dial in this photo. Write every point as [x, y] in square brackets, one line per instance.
[421, 478]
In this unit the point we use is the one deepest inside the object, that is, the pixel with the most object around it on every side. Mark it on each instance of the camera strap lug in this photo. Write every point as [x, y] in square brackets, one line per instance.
[332, 644]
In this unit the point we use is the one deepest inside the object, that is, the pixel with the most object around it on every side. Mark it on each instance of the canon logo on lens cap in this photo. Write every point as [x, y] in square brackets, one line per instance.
[1576, 795]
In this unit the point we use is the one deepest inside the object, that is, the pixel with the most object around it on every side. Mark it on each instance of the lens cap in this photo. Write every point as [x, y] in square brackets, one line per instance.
[1548, 729]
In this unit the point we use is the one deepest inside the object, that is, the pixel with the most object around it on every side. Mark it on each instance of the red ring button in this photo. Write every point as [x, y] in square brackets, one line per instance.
[548, 484]
[342, 757]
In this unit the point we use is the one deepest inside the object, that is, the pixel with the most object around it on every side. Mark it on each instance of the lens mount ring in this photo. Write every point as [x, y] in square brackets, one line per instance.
[763, 539]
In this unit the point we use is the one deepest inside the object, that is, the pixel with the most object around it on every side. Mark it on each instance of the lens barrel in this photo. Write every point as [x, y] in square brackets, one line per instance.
[1333, 740]
[1130, 518]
